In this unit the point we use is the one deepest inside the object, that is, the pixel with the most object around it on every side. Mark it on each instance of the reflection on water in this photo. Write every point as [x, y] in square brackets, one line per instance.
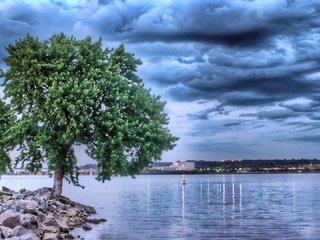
[207, 207]
[182, 204]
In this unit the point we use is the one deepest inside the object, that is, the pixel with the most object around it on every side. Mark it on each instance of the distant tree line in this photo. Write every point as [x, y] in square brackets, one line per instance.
[258, 163]
[246, 166]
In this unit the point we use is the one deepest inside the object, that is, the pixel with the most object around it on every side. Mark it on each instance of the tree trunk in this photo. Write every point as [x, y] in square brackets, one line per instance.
[57, 183]
[9, 163]
[10, 168]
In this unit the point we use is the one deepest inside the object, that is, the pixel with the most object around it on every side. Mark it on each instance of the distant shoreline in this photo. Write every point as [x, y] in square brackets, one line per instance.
[182, 173]
[224, 173]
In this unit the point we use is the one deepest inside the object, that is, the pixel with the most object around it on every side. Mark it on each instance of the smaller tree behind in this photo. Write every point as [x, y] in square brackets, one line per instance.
[6, 121]
[68, 91]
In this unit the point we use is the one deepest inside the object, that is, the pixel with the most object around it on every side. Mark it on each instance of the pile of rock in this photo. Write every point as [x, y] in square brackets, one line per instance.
[32, 215]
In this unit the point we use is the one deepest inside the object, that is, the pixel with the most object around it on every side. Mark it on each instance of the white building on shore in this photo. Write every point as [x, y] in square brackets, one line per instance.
[183, 166]
[175, 166]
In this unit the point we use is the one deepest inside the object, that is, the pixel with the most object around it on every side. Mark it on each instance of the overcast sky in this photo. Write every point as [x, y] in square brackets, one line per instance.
[241, 77]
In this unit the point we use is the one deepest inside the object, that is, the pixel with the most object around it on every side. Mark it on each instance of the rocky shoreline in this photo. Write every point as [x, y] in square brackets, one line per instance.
[32, 215]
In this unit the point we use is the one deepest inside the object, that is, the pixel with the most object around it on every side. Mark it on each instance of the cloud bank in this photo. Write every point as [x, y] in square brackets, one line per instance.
[241, 78]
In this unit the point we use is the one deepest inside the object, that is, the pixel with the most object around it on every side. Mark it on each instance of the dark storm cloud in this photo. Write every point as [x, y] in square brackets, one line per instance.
[245, 38]
[18, 19]
[235, 79]
[238, 148]
[308, 138]
[308, 107]
[311, 127]
[243, 98]
[195, 59]
[113, 19]
[105, 2]
[231, 23]
[275, 114]
[231, 124]
[249, 87]
[204, 115]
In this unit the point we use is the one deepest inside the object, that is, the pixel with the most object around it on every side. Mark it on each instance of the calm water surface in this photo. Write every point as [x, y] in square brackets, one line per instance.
[262, 206]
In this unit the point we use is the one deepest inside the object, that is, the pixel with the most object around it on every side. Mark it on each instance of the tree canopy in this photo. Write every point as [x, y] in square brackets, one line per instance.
[66, 91]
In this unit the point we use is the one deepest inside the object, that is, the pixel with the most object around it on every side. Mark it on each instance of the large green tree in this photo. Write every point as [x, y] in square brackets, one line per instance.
[66, 91]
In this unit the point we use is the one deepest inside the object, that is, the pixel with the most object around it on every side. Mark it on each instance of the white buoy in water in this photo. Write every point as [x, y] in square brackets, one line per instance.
[183, 180]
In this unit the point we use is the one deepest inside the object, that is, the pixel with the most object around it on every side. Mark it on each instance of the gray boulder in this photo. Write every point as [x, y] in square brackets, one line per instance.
[63, 225]
[5, 232]
[28, 221]
[19, 231]
[28, 236]
[27, 204]
[50, 236]
[51, 222]
[72, 212]
[9, 219]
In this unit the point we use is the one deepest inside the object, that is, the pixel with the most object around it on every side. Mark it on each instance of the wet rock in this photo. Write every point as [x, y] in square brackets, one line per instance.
[96, 220]
[7, 190]
[22, 190]
[86, 226]
[66, 236]
[89, 209]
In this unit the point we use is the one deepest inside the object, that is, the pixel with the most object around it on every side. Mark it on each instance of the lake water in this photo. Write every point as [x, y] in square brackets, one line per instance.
[249, 206]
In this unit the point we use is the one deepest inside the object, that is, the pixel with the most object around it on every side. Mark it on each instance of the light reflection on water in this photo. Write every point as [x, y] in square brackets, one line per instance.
[279, 206]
